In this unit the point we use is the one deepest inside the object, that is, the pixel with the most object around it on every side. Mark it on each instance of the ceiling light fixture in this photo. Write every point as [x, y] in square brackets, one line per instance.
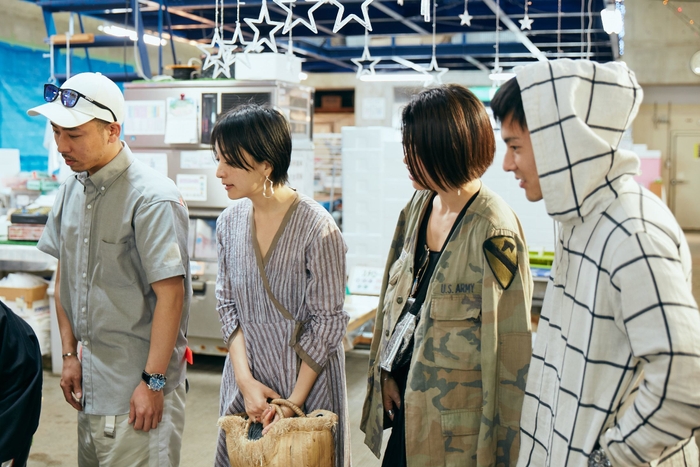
[123, 32]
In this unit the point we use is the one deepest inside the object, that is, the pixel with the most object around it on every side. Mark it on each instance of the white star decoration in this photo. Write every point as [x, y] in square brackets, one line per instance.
[466, 18]
[525, 23]
[218, 60]
[434, 73]
[290, 22]
[340, 22]
[366, 57]
[231, 45]
[264, 18]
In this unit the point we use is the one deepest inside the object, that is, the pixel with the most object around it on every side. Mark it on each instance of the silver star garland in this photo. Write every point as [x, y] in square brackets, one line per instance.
[340, 22]
[366, 57]
[264, 18]
[237, 40]
[526, 22]
[219, 60]
[465, 17]
[434, 72]
[290, 22]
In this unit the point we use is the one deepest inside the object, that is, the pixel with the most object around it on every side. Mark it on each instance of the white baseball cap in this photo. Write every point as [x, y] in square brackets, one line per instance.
[98, 89]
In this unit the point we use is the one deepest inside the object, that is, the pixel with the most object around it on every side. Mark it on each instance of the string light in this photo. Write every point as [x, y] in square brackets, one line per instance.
[690, 22]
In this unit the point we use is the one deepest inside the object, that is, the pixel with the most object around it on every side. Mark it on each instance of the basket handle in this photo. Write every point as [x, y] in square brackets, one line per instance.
[286, 403]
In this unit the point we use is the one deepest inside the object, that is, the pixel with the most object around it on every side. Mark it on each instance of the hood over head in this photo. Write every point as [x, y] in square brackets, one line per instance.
[577, 112]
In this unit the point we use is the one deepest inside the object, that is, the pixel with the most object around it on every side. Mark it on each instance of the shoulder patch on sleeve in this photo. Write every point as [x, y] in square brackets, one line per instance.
[502, 255]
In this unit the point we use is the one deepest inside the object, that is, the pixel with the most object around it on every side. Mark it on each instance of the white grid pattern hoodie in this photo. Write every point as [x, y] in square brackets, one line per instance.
[617, 355]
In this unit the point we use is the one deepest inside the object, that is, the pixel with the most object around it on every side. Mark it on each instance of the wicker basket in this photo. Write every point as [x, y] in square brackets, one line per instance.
[303, 441]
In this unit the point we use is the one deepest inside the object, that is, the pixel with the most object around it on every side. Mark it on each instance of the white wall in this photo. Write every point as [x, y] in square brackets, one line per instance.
[537, 225]
[376, 187]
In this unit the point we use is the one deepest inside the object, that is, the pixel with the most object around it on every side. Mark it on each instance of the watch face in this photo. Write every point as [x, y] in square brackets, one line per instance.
[156, 383]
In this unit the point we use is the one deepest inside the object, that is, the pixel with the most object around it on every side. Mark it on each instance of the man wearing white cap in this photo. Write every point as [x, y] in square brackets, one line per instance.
[119, 230]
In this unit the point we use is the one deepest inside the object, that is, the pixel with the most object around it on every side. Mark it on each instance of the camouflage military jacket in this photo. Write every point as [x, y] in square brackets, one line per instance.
[472, 344]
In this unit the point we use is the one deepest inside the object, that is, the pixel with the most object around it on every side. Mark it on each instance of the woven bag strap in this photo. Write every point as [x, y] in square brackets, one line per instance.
[286, 403]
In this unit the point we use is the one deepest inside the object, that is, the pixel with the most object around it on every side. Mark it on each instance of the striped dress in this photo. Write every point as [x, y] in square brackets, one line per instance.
[305, 269]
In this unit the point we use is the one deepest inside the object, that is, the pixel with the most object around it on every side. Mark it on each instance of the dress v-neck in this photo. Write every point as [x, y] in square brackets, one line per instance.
[262, 261]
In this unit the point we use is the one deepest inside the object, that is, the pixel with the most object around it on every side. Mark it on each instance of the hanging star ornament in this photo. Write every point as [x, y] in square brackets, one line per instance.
[217, 60]
[264, 18]
[466, 19]
[340, 22]
[231, 45]
[525, 23]
[291, 22]
[434, 73]
[366, 57]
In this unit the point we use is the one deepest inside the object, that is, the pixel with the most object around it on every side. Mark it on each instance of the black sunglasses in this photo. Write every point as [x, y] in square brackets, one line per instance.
[69, 97]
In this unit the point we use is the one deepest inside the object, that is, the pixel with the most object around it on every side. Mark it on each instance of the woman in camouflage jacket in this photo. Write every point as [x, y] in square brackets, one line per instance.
[459, 263]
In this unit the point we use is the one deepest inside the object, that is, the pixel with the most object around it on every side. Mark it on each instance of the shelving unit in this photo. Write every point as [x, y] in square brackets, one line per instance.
[87, 41]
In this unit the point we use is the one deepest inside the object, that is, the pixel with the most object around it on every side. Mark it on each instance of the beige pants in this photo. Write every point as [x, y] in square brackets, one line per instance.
[131, 448]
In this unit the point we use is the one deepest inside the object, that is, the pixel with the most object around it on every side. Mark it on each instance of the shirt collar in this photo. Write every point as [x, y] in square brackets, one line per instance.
[103, 178]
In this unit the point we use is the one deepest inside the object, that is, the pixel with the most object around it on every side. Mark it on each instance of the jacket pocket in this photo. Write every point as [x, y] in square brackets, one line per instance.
[117, 264]
[460, 432]
[456, 331]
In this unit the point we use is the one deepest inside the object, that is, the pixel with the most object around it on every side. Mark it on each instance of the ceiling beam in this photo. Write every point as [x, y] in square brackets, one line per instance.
[391, 13]
[477, 63]
[516, 30]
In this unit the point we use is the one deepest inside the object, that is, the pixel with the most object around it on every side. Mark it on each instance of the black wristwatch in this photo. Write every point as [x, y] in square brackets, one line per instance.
[598, 459]
[154, 381]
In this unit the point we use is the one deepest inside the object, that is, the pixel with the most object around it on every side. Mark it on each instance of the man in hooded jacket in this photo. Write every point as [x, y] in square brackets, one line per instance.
[613, 378]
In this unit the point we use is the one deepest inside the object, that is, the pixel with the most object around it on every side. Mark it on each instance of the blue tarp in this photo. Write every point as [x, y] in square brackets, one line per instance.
[22, 78]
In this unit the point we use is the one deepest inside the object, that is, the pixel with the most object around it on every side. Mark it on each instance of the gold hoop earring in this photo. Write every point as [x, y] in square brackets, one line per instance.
[272, 188]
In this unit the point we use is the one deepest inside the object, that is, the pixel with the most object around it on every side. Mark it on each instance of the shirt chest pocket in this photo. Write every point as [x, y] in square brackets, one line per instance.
[117, 263]
[456, 331]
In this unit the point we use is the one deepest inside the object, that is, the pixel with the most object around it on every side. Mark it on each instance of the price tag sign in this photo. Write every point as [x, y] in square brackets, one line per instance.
[365, 280]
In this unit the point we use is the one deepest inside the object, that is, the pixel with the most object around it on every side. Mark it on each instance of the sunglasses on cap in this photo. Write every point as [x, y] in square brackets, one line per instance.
[69, 97]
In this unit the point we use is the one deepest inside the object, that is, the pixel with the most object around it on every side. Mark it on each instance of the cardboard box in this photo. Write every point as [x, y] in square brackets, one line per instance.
[331, 102]
[28, 294]
[25, 231]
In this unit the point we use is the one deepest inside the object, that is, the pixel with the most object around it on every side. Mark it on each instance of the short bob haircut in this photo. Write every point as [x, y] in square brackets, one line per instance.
[508, 103]
[447, 137]
[260, 131]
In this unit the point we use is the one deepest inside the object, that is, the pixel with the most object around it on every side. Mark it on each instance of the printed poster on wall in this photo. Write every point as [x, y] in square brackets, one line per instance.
[192, 187]
[181, 123]
[157, 161]
[144, 118]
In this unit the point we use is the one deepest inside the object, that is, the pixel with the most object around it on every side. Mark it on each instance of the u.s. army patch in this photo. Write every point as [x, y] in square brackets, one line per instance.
[502, 256]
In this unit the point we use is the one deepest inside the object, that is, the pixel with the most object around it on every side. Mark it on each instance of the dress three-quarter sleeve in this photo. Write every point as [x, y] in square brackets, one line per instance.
[225, 305]
[327, 322]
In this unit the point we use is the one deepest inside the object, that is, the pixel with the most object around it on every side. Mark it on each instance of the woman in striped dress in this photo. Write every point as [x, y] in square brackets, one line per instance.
[280, 284]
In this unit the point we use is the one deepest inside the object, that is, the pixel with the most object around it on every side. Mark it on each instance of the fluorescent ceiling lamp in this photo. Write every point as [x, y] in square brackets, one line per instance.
[501, 76]
[123, 32]
[612, 19]
[386, 77]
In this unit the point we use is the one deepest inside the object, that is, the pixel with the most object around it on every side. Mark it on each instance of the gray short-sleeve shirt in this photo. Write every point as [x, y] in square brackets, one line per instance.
[115, 233]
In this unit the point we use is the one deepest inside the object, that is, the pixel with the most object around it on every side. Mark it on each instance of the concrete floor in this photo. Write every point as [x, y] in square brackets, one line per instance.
[55, 442]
